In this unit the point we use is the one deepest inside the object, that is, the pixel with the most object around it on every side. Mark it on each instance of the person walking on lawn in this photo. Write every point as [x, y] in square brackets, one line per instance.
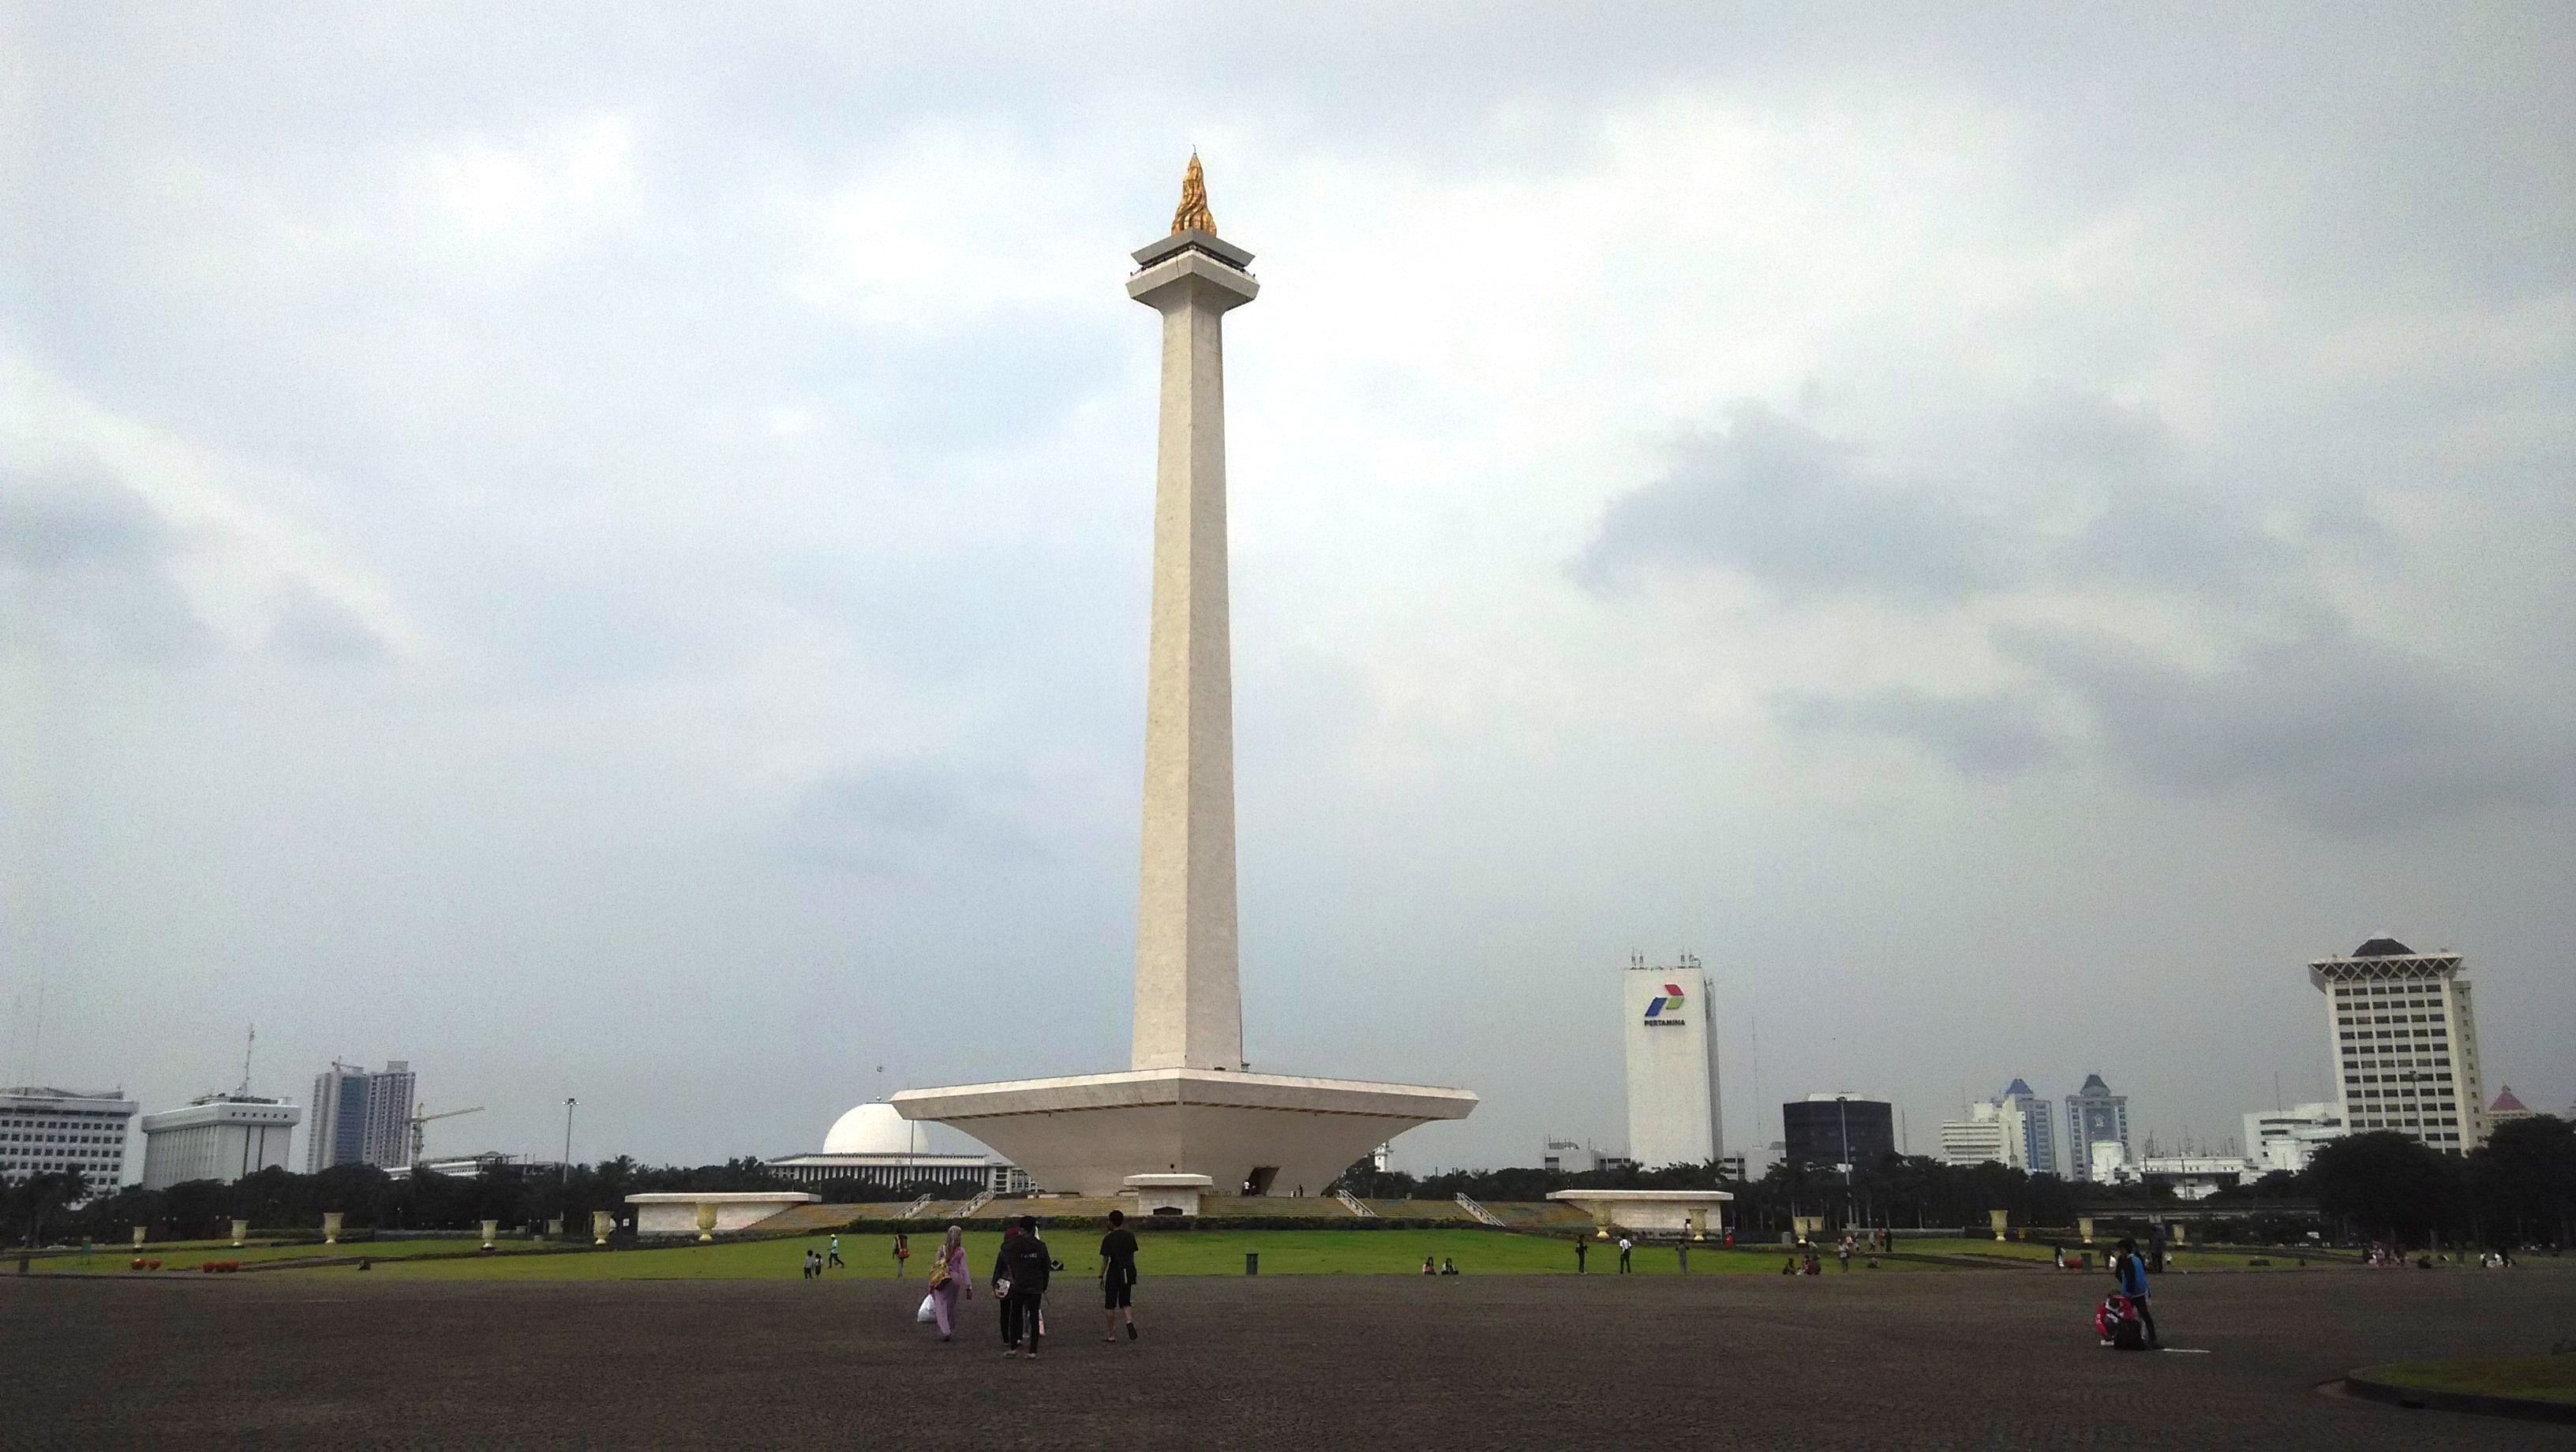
[948, 1281]
[1020, 1279]
[1118, 1276]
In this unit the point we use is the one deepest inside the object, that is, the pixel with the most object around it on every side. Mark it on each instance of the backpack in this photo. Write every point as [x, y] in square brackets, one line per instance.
[2117, 1321]
[1028, 1263]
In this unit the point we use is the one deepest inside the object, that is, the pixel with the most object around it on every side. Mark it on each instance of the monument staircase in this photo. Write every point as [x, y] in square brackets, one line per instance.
[971, 1206]
[914, 1209]
[1354, 1204]
[1479, 1212]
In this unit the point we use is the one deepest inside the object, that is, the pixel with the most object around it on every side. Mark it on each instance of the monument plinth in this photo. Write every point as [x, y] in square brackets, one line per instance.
[1187, 1105]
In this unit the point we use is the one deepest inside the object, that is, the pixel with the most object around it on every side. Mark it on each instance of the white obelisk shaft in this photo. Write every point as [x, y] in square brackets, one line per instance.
[1189, 1000]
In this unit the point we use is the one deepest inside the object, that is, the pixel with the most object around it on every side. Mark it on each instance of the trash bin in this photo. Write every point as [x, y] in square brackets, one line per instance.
[1252, 1262]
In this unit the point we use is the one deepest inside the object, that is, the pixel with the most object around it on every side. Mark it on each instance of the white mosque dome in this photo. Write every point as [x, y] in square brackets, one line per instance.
[874, 1128]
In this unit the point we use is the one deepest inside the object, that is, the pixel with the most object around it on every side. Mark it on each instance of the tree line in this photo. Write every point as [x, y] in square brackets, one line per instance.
[2518, 1189]
[64, 1207]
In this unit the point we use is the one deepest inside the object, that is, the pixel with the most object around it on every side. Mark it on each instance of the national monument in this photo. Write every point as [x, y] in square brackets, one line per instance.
[1186, 1115]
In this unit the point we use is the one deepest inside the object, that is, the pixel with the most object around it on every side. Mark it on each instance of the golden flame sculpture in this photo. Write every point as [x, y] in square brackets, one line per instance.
[1193, 214]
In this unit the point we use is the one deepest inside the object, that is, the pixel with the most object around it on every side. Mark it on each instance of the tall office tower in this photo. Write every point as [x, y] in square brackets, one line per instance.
[2405, 1044]
[47, 1131]
[2031, 1127]
[360, 1118]
[2094, 1115]
[388, 1138]
[1672, 1066]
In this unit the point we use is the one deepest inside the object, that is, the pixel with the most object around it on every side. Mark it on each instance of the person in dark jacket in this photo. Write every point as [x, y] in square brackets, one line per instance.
[1020, 1280]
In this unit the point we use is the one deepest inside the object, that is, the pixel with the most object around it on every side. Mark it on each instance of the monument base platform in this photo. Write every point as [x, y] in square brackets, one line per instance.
[1263, 1134]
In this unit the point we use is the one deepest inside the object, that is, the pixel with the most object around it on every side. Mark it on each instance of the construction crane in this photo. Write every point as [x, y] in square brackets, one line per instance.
[418, 1120]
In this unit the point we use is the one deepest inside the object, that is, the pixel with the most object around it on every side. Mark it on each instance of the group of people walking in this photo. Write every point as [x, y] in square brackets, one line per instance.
[1022, 1271]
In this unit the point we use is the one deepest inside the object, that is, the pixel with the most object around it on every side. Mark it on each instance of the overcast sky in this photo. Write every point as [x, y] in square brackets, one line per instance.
[608, 556]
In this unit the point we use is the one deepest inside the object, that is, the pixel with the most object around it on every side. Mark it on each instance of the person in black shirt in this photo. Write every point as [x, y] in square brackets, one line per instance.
[1020, 1280]
[1118, 1275]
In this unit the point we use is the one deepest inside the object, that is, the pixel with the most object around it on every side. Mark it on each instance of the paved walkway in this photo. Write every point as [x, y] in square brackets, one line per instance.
[338, 1361]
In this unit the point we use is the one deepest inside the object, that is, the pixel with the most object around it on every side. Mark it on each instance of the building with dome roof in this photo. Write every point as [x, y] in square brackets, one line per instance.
[875, 1148]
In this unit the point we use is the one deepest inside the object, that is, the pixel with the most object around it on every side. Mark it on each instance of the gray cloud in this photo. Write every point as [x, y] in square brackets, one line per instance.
[891, 821]
[311, 626]
[2346, 735]
[1982, 735]
[87, 561]
[1774, 499]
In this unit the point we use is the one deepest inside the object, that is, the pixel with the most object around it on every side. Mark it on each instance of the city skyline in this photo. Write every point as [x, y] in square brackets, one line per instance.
[627, 578]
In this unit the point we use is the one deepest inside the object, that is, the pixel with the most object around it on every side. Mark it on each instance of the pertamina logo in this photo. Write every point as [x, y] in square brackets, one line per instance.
[1666, 1007]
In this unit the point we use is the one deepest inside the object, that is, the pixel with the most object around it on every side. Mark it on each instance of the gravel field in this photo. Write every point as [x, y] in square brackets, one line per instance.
[294, 1360]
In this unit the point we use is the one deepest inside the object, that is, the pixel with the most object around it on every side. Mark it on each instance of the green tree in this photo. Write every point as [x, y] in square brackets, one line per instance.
[2386, 1184]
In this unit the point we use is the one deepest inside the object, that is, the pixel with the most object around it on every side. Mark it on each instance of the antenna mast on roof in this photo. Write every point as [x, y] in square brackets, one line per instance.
[247, 1046]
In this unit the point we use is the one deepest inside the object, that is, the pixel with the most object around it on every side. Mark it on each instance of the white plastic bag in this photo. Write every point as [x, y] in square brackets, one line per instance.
[927, 1314]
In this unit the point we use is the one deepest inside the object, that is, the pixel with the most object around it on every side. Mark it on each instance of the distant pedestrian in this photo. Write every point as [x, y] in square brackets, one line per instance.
[2132, 1270]
[902, 1252]
[813, 1265]
[949, 1281]
[1682, 1249]
[1582, 1247]
[1001, 1303]
[836, 1254]
[1625, 1247]
[1843, 1252]
[1020, 1279]
[1118, 1276]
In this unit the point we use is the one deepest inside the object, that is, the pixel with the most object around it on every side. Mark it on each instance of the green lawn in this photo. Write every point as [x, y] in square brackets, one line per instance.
[2542, 1378]
[1162, 1253]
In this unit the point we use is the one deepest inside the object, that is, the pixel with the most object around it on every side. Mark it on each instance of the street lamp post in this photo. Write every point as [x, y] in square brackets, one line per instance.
[1842, 1112]
[569, 1102]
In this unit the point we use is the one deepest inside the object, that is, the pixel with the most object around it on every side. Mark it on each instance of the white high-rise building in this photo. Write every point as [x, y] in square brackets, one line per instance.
[2405, 1044]
[2286, 1139]
[218, 1137]
[47, 1131]
[2030, 1130]
[2016, 1128]
[1672, 1065]
[1978, 1138]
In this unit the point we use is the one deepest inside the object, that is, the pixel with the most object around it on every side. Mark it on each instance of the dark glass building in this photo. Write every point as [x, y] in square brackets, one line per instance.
[1828, 1131]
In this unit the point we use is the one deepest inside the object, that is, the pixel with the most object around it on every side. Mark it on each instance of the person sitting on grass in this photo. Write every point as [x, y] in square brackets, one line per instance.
[1448, 1267]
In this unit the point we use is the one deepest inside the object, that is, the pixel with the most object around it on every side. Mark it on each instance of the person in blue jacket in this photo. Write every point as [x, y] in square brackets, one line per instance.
[2132, 1270]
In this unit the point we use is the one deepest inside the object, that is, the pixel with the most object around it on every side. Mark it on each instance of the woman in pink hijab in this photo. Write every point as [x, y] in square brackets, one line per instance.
[948, 1281]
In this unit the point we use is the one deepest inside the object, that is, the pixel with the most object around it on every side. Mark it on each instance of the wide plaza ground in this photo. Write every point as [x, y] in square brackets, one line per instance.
[1969, 1359]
